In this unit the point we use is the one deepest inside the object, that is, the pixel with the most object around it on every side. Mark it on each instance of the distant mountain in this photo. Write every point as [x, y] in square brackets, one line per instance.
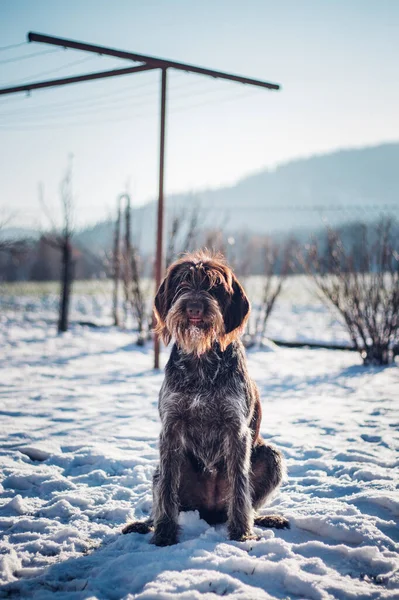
[17, 233]
[298, 197]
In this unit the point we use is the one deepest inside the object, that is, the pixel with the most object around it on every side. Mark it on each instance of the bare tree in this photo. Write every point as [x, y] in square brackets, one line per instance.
[13, 253]
[121, 258]
[65, 242]
[277, 260]
[183, 233]
[126, 262]
[133, 278]
[362, 284]
[138, 299]
[62, 241]
[116, 260]
[215, 241]
[10, 244]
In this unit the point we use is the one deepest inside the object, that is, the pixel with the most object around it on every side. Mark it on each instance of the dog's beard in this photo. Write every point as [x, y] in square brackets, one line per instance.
[191, 338]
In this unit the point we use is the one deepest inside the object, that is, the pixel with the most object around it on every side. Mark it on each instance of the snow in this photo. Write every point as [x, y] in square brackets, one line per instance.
[79, 427]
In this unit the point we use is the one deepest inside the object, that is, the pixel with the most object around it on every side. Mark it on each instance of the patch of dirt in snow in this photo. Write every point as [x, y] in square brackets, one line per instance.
[79, 447]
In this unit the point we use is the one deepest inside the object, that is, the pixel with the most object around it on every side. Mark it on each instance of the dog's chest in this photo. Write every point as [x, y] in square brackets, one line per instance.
[204, 402]
[207, 422]
[204, 419]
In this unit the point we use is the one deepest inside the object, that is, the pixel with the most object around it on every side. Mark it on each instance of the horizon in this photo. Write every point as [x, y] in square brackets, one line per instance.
[85, 227]
[107, 218]
[217, 133]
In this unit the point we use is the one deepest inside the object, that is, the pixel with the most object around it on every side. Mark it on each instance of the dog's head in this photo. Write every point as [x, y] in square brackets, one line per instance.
[199, 302]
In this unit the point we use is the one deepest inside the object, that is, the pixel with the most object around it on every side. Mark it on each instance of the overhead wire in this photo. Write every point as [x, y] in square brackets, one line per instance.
[90, 101]
[98, 99]
[11, 46]
[130, 117]
[85, 99]
[123, 118]
[49, 71]
[115, 95]
[119, 99]
[26, 56]
[127, 100]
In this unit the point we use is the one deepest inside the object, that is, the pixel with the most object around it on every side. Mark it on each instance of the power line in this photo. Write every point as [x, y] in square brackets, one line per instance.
[11, 46]
[25, 57]
[370, 208]
[54, 70]
[56, 113]
[85, 99]
[130, 117]
[115, 96]
[229, 98]
[59, 108]
[126, 101]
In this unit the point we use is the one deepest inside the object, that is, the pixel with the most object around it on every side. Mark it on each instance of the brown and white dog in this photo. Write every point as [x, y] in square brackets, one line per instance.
[212, 458]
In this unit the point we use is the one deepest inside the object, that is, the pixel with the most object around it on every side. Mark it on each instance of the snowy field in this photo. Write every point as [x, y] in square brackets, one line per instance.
[298, 315]
[79, 427]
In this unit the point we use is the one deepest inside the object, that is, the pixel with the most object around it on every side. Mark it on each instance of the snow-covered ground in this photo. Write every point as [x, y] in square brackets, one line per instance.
[298, 315]
[79, 427]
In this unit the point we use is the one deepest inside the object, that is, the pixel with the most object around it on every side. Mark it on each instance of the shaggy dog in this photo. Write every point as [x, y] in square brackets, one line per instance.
[212, 458]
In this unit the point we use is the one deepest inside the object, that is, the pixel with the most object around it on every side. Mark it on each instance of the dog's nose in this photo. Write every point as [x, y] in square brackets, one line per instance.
[195, 309]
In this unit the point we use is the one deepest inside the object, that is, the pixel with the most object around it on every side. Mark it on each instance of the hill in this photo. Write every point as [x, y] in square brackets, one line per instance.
[298, 197]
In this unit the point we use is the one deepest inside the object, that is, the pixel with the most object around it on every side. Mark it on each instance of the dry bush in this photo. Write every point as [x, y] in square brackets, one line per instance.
[183, 233]
[127, 265]
[276, 265]
[62, 241]
[362, 283]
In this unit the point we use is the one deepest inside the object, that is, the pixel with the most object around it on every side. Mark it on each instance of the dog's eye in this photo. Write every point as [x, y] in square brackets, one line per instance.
[218, 292]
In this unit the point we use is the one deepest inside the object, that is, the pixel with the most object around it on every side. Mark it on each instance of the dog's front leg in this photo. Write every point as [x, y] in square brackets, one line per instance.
[240, 513]
[166, 489]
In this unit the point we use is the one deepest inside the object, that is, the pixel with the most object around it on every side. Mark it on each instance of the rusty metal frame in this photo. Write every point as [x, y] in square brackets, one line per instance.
[148, 63]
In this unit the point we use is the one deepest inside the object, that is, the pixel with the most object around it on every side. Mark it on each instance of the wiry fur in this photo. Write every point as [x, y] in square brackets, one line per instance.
[212, 458]
[192, 339]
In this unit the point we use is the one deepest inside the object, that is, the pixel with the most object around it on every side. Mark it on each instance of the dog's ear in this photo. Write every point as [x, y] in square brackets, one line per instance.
[236, 314]
[161, 307]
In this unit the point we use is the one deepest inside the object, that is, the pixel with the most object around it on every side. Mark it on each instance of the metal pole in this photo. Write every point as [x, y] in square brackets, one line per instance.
[150, 61]
[127, 275]
[159, 266]
[116, 261]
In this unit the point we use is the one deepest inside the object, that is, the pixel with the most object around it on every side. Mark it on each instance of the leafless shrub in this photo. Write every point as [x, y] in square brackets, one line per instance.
[138, 302]
[215, 241]
[66, 248]
[362, 283]
[62, 241]
[242, 253]
[277, 260]
[183, 233]
[127, 264]
[13, 250]
[116, 264]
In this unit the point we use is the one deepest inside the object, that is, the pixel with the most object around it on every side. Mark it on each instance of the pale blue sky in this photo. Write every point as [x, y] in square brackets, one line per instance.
[336, 60]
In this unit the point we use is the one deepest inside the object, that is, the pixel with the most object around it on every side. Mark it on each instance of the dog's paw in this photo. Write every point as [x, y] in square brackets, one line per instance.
[248, 537]
[162, 540]
[240, 535]
[272, 521]
[165, 534]
[142, 527]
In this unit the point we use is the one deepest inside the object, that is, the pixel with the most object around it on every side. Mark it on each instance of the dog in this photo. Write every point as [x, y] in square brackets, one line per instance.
[212, 458]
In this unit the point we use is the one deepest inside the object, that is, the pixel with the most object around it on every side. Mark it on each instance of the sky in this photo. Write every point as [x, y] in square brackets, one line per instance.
[335, 59]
